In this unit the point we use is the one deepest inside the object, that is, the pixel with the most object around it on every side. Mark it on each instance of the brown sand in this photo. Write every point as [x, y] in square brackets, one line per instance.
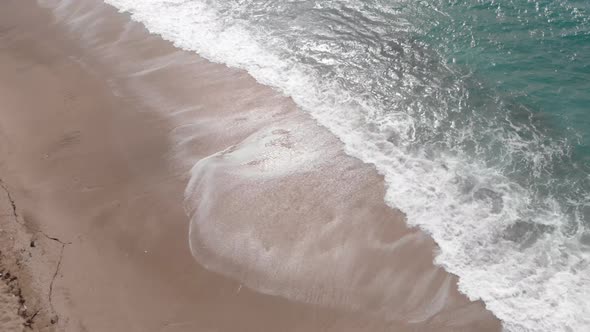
[98, 233]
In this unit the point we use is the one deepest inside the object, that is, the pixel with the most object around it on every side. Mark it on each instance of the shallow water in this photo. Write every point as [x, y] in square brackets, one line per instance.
[474, 111]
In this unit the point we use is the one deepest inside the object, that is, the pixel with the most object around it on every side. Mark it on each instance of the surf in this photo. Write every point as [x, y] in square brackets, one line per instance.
[483, 173]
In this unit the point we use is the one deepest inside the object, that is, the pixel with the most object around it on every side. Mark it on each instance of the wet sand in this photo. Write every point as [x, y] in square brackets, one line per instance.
[101, 125]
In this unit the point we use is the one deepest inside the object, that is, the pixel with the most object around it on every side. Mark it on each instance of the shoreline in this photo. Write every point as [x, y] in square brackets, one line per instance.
[103, 172]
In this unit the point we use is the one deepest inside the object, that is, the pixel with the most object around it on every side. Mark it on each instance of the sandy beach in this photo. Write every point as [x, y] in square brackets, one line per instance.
[104, 126]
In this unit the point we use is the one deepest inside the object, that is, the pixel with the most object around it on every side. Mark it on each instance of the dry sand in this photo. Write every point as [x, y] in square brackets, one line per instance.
[100, 124]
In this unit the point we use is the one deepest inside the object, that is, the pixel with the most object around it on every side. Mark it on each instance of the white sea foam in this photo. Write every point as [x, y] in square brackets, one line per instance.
[537, 284]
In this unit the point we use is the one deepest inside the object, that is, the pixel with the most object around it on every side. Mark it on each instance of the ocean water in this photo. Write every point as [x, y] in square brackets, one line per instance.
[474, 111]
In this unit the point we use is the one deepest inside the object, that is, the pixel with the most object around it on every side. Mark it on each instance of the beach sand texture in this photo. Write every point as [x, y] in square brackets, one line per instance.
[156, 191]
